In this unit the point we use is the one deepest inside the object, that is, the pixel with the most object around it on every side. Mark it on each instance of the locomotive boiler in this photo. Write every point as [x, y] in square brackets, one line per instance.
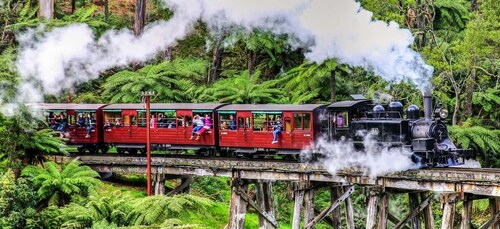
[425, 137]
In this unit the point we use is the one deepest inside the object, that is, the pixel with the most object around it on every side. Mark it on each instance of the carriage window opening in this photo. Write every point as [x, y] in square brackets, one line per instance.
[260, 123]
[126, 120]
[114, 118]
[307, 121]
[288, 124]
[180, 121]
[297, 120]
[71, 119]
[189, 120]
[248, 122]
[227, 121]
[342, 119]
[167, 120]
[241, 122]
[142, 119]
[134, 120]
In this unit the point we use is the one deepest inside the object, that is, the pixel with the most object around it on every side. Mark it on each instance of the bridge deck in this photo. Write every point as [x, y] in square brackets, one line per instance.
[475, 181]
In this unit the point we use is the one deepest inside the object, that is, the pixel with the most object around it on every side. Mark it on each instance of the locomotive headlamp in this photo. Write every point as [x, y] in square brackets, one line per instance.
[441, 113]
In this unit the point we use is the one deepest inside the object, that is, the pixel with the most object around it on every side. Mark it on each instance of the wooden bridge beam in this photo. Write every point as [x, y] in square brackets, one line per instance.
[448, 201]
[466, 213]
[308, 206]
[182, 187]
[414, 213]
[427, 212]
[383, 211]
[159, 183]
[330, 209]
[349, 211]
[371, 215]
[237, 205]
[335, 194]
[265, 203]
[299, 199]
[413, 199]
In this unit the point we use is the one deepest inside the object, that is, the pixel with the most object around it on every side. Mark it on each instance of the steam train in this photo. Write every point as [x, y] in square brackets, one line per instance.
[246, 129]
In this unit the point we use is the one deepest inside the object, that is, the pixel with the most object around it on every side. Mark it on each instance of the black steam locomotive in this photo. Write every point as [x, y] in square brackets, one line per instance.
[427, 138]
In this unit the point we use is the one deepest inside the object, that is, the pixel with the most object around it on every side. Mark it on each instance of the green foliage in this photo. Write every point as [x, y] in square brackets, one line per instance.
[169, 80]
[245, 88]
[484, 141]
[214, 188]
[17, 203]
[451, 14]
[57, 186]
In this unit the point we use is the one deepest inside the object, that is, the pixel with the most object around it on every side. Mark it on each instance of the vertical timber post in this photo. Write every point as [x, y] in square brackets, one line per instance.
[265, 202]
[371, 215]
[427, 212]
[308, 206]
[237, 206]
[298, 195]
[334, 195]
[414, 202]
[159, 180]
[448, 202]
[349, 211]
[383, 211]
[46, 9]
[494, 209]
[466, 213]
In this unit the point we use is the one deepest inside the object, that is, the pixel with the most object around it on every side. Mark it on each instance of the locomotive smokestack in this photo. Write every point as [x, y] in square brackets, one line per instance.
[428, 107]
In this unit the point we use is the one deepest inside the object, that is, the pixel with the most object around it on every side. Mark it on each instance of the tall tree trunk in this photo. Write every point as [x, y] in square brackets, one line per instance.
[217, 60]
[106, 11]
[46, 9]
[333, 86]
[420, 21]
[140, 16]
[252, 60]
[454, 120]
[73, 6]
[469, 91]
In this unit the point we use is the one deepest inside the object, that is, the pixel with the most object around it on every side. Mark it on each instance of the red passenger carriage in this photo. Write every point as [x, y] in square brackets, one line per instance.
[171, 126]
[254, 133]
[75, 132]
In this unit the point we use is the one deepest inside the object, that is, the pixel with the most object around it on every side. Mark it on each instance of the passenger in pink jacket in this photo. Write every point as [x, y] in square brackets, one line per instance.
[208, 124]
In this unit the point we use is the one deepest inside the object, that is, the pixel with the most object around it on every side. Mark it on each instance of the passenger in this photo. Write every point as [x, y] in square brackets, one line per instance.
[52, 121]
[107, 125]
[223, 125]
[208, 124]
[152, 121]
[340, 120]
[63, 121]
[198, 125]
[90, 125]
[232, 122]
[81, 119]
[277, 128]
[162, 122]
[171, 125]
[118, 123]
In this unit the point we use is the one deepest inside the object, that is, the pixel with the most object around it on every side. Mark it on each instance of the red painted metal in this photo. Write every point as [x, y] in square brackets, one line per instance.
[148, 144]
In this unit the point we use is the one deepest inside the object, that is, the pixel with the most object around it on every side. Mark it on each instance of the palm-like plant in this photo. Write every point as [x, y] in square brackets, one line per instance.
[482, 140]
[245, 88]
[56, 187]
[451, 14]
[158, 209]
[308, 80]
[169, 79]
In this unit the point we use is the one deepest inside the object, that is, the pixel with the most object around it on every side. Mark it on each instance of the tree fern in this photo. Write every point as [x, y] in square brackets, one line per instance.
[55, 186]
[484, 141]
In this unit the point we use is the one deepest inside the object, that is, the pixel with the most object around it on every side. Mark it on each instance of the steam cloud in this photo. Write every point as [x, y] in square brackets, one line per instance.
[373, 161]
[52, 61]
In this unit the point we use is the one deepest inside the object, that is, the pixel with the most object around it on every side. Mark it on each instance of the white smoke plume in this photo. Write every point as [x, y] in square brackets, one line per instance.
[52, 61]
[373, 161]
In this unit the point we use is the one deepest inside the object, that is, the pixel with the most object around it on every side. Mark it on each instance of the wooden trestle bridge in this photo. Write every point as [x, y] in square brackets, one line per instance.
[453, 184]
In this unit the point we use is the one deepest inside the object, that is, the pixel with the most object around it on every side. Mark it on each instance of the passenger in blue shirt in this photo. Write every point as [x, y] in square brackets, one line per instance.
[232, 122]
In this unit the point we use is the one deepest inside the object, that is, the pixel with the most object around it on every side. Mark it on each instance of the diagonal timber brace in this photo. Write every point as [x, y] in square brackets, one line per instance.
[332, 207]
[491, 221]
[264, 214]
[181, 187]
[414, 212]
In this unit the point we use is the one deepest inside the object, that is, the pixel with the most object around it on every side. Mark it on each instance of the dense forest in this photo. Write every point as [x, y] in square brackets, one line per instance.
[52, 51]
